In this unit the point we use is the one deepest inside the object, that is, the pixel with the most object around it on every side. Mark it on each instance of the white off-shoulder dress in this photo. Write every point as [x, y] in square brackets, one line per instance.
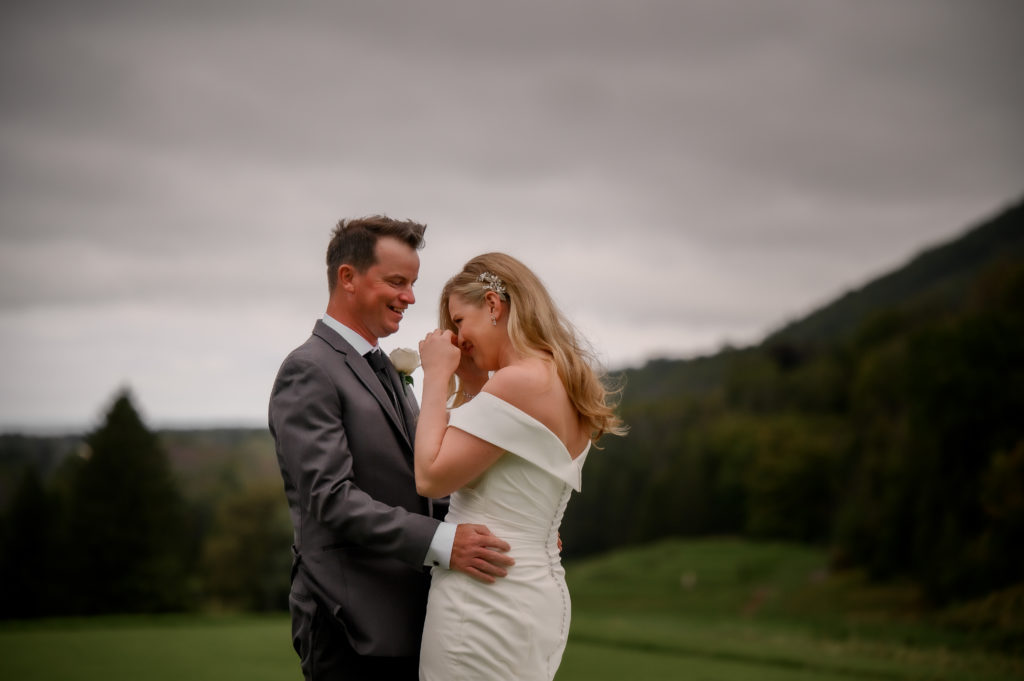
[517, 627]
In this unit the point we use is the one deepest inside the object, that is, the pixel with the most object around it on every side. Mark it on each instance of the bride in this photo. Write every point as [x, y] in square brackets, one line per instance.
[527, 405]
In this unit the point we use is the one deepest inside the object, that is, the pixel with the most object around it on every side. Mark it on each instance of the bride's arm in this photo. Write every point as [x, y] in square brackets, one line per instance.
[445, 459]
[457, 461]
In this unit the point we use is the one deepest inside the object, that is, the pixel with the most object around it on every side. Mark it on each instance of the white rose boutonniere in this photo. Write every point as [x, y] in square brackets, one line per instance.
[406, 361]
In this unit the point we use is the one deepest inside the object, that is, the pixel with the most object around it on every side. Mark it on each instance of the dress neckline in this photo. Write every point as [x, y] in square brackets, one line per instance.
[574, 459]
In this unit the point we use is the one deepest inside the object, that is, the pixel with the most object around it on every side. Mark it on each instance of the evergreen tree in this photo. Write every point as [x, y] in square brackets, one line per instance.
[128, 539]
[28, 551]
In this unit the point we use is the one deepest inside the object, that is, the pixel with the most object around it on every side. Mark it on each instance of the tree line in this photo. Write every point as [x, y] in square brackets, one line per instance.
[111, 528]
[900, 447]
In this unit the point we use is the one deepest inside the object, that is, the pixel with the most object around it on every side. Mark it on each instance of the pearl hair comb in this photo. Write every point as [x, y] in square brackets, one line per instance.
[492, 282]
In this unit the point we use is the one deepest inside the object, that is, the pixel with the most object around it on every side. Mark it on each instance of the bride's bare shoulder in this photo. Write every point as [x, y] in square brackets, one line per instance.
[520, 384]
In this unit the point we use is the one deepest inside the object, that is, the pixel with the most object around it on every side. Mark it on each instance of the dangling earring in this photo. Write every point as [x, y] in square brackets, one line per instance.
[494, 322]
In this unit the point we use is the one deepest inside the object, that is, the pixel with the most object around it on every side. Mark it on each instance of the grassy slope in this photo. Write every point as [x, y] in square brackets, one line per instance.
[724, 608]
[157, 648]
[697, 609]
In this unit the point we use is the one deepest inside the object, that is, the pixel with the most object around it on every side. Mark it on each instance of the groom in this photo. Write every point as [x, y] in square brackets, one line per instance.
[344, 431]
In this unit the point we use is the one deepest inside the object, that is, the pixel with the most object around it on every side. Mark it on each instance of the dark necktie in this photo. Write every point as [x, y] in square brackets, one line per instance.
[380, 367]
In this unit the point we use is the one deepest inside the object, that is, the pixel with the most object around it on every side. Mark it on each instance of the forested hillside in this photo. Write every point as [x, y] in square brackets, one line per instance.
[887, 426]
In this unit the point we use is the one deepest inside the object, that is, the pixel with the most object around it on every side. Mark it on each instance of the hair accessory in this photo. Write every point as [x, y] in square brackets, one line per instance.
[492, 282]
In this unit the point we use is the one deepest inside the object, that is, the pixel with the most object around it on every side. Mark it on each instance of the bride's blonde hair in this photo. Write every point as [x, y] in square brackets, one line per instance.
[537, 328]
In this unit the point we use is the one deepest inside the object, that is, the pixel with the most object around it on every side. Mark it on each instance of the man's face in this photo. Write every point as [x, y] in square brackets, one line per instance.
[384, 291]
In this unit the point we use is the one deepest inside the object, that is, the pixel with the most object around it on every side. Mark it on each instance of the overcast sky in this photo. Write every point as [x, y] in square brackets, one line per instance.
[681, 174]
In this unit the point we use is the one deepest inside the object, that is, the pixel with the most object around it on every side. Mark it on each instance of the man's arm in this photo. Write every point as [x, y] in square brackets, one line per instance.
[471, 549]
[305, 419]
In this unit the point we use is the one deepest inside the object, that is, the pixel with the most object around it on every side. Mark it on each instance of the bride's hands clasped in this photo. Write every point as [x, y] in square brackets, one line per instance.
[439, 353]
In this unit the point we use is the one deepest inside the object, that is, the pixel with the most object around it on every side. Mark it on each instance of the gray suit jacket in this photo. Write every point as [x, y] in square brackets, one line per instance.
[361, 531]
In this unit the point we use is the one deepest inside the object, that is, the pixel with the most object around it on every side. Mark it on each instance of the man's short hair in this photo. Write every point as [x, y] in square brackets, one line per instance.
[354, 242]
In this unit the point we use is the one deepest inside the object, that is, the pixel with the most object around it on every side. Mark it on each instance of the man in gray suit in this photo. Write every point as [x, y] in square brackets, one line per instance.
[344, 426]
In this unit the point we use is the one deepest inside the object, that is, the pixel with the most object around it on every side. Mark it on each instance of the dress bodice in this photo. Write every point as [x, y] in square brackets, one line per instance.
[523, 496]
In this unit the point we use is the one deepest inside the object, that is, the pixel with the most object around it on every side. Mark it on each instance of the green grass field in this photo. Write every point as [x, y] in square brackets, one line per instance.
[154, 648]
[715, 609]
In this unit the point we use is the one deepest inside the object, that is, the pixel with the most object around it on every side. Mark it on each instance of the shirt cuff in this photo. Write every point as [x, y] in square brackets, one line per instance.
[440, 552]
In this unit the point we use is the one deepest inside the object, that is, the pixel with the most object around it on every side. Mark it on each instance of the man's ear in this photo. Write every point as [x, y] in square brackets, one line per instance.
[346, 275]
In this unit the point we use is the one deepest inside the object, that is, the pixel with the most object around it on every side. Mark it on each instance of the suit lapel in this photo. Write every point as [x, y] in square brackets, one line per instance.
[364, 372]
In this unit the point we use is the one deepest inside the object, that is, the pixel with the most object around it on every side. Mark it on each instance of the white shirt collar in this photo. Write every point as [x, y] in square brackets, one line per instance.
[354, 339]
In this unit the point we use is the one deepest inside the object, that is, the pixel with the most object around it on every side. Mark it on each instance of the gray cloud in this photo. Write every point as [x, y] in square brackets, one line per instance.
[681, 174]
